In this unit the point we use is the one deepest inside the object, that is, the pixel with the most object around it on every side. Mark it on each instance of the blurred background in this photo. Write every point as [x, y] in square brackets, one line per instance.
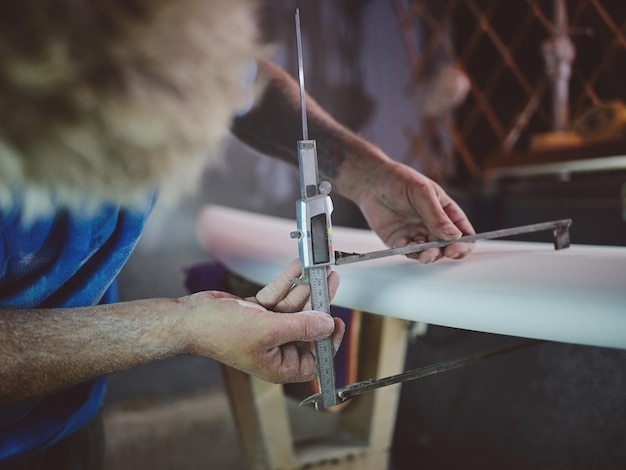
[516, 108]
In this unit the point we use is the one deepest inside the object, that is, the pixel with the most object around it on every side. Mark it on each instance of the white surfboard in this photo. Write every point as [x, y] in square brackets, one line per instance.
[576, 295]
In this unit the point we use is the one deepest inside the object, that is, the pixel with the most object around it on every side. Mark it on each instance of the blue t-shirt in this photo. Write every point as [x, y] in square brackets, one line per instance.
[67, 260]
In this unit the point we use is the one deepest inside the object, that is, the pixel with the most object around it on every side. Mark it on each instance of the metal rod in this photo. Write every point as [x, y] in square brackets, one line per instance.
[305, 129]
[358, 388]
[560, 239]
[364, 386]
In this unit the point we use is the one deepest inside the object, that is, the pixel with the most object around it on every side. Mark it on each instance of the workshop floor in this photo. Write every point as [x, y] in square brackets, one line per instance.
[187, 433]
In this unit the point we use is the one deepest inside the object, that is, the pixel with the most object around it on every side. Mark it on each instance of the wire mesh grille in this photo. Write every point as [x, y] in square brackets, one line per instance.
[498, 46]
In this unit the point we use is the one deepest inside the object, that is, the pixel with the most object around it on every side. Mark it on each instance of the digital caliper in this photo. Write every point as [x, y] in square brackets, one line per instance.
[314, 236]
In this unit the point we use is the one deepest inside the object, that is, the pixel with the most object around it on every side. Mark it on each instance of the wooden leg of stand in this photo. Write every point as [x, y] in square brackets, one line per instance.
[372, 416]
[261, 418]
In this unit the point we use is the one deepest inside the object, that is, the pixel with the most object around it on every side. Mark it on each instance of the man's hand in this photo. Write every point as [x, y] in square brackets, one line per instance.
[260, 335]
[405, 207]
[44, 351]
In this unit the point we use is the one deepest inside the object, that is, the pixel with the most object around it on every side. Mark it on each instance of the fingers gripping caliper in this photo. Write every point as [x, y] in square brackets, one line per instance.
[316, 252]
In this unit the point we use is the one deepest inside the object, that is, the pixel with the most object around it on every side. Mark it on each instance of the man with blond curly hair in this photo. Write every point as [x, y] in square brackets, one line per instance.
[103, 105]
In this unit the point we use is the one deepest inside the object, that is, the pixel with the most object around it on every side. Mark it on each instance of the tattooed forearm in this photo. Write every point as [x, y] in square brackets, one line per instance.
[274, 125]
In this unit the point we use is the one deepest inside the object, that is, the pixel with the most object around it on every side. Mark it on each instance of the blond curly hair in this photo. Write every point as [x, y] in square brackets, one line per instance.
[102, 100]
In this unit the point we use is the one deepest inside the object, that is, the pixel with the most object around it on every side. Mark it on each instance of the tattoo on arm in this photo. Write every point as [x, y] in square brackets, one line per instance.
[274, 126]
